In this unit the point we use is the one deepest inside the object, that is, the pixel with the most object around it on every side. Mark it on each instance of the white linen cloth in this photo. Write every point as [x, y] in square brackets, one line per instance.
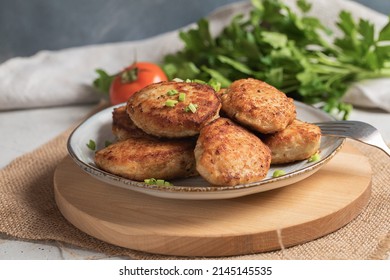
[64, 77]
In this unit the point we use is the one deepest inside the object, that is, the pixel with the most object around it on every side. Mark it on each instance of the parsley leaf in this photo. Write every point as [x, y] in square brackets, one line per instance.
[103, 82]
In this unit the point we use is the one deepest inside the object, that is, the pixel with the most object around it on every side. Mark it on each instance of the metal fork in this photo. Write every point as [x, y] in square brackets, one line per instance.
[356, 130]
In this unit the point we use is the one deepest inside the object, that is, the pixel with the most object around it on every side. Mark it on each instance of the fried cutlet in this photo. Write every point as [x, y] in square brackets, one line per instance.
[143, 158]
[258, 105]
[298, 141]
[123, 127]
[173, 109]
[228, 154]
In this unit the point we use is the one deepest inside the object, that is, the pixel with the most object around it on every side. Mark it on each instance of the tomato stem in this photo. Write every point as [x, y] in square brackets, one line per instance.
[129, 75]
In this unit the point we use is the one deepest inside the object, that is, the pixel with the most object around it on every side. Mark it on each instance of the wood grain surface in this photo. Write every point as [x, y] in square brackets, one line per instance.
[291, 215]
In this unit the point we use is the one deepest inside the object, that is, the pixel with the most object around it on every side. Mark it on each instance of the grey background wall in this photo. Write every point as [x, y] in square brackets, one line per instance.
[27, 26]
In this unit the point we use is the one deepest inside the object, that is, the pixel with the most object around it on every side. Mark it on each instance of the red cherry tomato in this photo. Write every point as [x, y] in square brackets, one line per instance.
[134, 78]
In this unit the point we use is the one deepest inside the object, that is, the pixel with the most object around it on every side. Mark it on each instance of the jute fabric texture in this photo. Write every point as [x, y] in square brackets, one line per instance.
[28, 211]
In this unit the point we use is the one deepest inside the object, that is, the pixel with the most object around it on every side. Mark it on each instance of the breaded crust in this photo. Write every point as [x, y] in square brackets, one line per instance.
[123, 127]
[148, 110]
[298, 141]
[227, 154]
[139, 159]
[258, 105]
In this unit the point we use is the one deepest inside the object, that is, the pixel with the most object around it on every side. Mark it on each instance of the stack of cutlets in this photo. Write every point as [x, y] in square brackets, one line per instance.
[178, 129]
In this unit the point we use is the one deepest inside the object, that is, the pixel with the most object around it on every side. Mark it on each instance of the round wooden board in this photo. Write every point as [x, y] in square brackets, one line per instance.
[291, 215]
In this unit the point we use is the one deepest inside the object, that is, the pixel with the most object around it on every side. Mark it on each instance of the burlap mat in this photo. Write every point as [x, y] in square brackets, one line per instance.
[28, 211]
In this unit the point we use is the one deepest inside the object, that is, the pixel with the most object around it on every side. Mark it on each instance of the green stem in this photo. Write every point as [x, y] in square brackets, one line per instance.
[129, 75]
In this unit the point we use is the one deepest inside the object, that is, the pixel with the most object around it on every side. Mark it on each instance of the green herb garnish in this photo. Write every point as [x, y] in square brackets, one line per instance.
[171, 103]
[212, 82]
[182, 97]
[172, 92]
[91, 145]
[191, 108]
[103, 82]
[107, 143]
[215, 84]
[314, 158]
[278, 173]
[158, 182]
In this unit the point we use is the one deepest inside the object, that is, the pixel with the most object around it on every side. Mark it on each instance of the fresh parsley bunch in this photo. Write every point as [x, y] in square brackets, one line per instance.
[290, 51]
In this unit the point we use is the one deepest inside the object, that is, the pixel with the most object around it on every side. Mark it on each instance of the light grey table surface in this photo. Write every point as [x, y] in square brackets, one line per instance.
[25, 130]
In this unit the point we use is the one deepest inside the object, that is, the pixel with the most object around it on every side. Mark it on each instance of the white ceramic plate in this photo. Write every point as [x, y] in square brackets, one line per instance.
[98, 129]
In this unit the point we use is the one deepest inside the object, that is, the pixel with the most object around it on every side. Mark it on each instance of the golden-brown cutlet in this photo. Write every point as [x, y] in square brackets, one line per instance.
[298, 141]
[258, 105]
[149, 111]
[143, 158]
[123, 127]
[228, 154]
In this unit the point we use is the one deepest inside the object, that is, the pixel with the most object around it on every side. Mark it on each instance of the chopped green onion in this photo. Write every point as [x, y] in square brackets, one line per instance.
[191, 108]
[172, 92]
[150, 181]
[314, 158]
[171, 103]
[91, 145]
[178, 80]
[107, 143]
[196, 81]
[278, 173]
[212, 82]
[158, 182]
[215, 84]
[182, 96]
